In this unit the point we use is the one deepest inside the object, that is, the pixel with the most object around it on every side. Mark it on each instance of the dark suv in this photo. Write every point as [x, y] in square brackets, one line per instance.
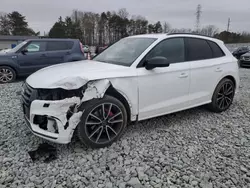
[240, 51]
[32, 55]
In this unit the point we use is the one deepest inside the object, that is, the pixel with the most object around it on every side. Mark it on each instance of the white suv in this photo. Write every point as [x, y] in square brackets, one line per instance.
[137, 78]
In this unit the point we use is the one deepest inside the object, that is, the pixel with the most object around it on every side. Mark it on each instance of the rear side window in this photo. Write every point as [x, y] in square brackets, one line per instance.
[59, 45]
[217, 52]
[198, 49]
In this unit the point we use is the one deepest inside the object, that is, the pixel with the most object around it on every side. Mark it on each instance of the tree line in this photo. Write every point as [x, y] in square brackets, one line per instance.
[107, 27]
[15, 23]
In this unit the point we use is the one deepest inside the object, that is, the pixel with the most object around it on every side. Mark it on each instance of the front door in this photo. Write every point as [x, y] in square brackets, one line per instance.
[34, 58]
[164, 89]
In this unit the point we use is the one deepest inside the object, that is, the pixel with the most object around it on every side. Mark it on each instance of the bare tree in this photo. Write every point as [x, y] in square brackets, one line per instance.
[5, 27]
[166, 27]
[182, 30]
[123, 13]
[209, 30]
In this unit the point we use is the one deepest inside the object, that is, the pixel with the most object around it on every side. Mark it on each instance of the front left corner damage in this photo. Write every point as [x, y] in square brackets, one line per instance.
[58, 119]
[95, 89]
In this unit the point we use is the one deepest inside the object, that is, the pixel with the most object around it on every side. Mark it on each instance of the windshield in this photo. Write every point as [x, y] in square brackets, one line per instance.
[125, 51]
[18, 47]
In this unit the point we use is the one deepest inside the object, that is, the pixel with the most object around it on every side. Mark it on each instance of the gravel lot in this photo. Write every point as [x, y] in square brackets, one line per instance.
[194, 148]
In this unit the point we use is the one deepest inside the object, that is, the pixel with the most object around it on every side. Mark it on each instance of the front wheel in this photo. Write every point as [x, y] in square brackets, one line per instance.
[223, 96]
[102, 123]
[7, 74]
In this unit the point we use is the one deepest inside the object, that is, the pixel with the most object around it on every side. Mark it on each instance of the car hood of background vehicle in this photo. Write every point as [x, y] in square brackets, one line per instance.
[246, 54]
[74, 75]
[5, 55]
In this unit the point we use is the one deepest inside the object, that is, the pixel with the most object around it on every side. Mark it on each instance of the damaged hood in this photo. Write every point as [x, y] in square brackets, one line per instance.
[74, 75]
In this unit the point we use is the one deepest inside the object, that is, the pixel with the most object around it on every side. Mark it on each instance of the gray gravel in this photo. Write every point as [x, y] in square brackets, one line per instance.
[193, 148]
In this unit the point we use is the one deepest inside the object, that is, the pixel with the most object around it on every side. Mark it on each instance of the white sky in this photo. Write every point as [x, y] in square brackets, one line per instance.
[42, 14]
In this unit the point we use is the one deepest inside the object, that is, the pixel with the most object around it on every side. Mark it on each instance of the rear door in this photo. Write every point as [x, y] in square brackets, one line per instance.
[58, 51]
[34, 58]
[207, 64]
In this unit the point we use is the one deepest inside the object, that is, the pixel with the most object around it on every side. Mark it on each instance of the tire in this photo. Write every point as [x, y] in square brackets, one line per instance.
[224, 91]
[7, 74]
[93, 127]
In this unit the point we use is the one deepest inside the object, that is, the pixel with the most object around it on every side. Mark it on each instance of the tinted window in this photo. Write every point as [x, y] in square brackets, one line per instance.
[217, 52]
[198, 49]
[35, 46]
[173, 49]
[59, 45]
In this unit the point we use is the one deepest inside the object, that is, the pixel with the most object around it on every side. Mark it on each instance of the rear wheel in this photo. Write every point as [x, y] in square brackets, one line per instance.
[223, 96]
[103, 122]
[7, 74]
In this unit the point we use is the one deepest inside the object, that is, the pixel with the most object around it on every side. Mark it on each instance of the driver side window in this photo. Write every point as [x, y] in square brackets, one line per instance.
[38, 46]
[173, 49]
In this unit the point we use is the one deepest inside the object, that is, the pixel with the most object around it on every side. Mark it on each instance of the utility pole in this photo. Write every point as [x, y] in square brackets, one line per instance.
[228, 24]
[198, 17]
[76, 19]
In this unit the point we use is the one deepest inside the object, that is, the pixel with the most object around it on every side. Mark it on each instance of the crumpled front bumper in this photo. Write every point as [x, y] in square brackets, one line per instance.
[58, 127]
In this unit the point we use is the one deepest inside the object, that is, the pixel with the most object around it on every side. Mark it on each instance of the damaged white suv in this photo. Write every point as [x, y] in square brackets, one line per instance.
[137, 78]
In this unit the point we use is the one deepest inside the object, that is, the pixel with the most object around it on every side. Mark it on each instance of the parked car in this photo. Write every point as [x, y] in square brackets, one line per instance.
[86, 48]
[245, 60]
[99, 49]
[32, 55]
[240, 51]
[137, 78]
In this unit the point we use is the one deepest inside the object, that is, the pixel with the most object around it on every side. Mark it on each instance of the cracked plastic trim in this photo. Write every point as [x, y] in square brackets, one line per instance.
[58, 109]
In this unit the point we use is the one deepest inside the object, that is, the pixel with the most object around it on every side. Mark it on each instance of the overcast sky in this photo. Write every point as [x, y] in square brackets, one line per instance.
[42, 14]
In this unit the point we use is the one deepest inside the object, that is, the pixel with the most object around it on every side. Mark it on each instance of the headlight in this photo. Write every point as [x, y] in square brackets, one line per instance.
[60, 94]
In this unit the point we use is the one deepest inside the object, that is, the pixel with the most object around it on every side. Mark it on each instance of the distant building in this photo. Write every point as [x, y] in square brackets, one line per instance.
[8, 41]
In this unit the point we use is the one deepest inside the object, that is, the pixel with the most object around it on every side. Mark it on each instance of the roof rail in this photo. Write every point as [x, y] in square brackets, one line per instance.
[189, 34]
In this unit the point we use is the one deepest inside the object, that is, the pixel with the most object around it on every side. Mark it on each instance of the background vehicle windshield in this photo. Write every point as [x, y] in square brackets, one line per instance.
[19, 46]
[125, 51]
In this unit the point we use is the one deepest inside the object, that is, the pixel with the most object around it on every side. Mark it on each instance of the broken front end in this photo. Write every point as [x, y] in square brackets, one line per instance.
[54, 114]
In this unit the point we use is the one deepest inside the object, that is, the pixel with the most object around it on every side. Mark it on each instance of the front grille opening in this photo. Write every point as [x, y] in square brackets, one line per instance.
[46, 123]
[59, 94]
[42, 121]
[30, 94]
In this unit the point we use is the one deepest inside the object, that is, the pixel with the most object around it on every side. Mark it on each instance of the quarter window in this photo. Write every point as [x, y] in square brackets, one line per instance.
[217, 52]
[198, 49]
[59, 45]
[173, 49]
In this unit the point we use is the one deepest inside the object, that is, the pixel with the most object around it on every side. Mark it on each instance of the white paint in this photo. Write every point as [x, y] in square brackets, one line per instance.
[57, 109]
[149, 93]
[73, 75]
[95, 89]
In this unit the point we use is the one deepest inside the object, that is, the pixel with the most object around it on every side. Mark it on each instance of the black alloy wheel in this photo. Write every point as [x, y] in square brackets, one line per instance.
[103, 122]
[223, 96]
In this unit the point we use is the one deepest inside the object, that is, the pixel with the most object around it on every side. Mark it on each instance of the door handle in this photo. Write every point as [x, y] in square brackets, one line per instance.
[183, 75]
[218, 69]
[43, 55]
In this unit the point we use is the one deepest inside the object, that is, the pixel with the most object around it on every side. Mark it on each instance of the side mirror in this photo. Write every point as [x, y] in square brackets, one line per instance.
[24, 51]
[156, 62]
